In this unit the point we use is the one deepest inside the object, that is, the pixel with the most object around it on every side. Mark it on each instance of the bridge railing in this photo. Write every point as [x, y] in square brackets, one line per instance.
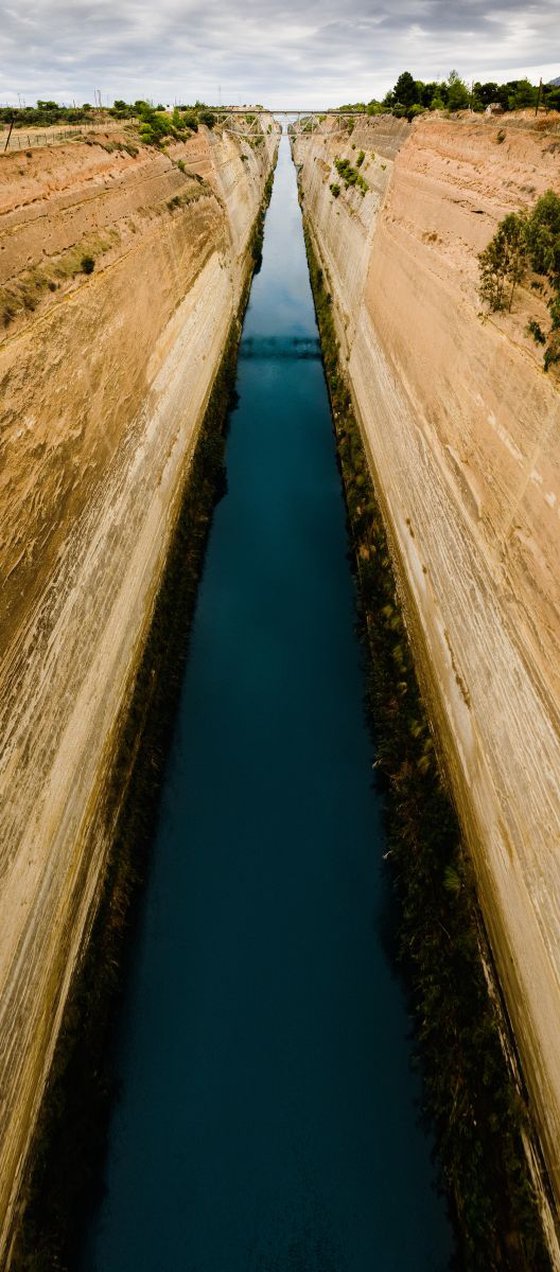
[242, 120]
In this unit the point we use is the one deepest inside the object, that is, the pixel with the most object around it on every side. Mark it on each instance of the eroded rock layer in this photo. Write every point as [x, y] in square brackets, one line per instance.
[105, 376]
[463, 429]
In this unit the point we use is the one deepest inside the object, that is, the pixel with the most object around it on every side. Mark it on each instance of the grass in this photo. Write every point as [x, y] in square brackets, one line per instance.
[23, 294]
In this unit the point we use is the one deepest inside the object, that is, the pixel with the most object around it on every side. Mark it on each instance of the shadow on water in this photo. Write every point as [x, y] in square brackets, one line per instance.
[268, 1119]
[280, 347]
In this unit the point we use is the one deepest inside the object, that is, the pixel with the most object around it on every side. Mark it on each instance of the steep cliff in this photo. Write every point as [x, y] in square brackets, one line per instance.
[121, 268]
[463, 431]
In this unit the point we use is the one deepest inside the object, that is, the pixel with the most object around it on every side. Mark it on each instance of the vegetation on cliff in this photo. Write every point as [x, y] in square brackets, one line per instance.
[477, 1109]
[351, 176]
[257, 233]
[523, 243]
[156, 124]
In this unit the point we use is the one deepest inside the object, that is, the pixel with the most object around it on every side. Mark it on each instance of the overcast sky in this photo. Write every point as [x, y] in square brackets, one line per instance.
[322, 52]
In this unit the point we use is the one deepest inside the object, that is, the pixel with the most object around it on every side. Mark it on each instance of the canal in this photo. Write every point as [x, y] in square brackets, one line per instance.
[268, 1120]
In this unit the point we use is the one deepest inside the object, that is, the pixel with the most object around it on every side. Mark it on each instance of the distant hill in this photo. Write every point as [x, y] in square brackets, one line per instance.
[555, 81]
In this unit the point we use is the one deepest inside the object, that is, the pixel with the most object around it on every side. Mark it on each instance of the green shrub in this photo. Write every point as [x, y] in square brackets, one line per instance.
[535, 330]
[87, 264]
[526, 241]
[351, 176]
[503, 262]
[543, 236]
[552, 351]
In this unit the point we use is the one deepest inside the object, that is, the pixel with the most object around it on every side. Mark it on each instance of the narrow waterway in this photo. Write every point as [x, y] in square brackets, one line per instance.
[268, 1119]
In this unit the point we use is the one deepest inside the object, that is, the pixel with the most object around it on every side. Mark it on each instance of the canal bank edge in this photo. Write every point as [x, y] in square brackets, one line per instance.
[63, 1178]
[490, 1163]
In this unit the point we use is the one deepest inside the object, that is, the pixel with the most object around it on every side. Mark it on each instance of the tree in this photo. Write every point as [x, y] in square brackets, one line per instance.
[458, 96]
[406, 90]
[543, 237]
[523, 94]
[551, 96]
[121, 109]
[503, 262]
[484, 94]
[428, 92]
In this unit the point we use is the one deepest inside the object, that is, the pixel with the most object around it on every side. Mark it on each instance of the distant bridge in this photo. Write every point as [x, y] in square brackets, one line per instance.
[285, 110]
[242, 119]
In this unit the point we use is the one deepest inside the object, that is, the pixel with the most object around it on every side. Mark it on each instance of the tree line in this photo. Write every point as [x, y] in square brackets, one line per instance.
[46, 113]
[411, 96]
[156, 122]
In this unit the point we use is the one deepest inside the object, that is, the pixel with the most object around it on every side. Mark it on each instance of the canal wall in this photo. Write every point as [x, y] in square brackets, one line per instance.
[462, 429]
[122, 269]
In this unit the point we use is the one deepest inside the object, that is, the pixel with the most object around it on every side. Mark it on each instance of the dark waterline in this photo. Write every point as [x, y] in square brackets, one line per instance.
[268, 1118]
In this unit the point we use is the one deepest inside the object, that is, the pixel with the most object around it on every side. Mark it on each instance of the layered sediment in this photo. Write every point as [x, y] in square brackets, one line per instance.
[462, 428]
[105, 379]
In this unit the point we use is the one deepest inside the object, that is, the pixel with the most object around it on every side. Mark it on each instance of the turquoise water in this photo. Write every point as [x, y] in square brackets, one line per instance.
[268, 1118]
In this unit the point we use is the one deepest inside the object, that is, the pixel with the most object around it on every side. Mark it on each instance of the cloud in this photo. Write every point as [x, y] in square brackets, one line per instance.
[279, 53]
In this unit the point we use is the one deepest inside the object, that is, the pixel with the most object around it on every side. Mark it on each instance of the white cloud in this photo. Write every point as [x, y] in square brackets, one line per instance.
[276, 53]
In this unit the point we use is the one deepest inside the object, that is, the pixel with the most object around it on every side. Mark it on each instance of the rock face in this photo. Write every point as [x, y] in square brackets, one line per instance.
[105, 378]
[463, 430]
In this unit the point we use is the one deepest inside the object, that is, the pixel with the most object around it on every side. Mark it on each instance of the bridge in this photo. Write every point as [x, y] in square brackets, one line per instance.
[243, 119]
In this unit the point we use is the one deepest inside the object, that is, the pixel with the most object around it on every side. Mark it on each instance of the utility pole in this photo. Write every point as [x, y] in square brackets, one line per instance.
[539, 97]
[9, 133]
